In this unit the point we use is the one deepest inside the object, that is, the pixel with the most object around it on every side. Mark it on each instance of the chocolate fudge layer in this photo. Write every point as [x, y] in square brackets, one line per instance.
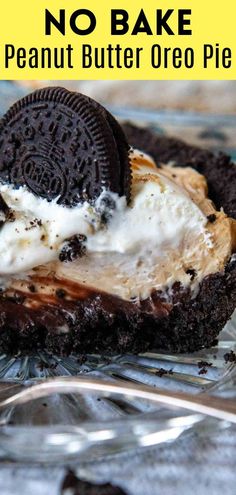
[154, 269]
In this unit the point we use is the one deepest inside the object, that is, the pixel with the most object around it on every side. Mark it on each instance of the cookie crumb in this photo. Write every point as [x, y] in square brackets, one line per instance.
[162, 372]
[73, 248]
[42, 365]
[230, 357]
[61, 293]
[82, 359]
[192, 273]
[32, 288]
[203, 365]
[202, 371]
[6, 214]
[211, 218]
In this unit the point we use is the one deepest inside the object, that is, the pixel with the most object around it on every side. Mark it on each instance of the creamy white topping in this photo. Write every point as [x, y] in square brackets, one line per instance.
[161, 216]
[160, 228]
[39, 228]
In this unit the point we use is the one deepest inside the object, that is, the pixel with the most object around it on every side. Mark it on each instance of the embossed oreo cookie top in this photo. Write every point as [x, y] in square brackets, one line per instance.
[63, 145]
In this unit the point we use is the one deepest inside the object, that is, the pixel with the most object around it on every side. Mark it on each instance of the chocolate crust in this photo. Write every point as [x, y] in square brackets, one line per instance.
[103, 323]
[106, 324]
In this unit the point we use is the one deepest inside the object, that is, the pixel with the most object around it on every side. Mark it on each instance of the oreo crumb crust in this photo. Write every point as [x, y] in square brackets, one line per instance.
[102, 322]
[58, 144]
[81, 487]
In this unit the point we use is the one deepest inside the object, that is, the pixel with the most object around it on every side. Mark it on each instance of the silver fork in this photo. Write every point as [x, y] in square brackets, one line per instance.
[209, 405]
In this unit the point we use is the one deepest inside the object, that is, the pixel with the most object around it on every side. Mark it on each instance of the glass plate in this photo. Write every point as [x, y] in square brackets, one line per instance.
[55, 409]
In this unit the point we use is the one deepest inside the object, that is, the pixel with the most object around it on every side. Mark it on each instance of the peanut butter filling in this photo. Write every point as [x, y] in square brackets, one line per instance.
[221, 227]
[134, 275]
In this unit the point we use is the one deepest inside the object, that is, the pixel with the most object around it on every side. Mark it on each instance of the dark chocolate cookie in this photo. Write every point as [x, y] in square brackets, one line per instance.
[59, 145]
[123, 148]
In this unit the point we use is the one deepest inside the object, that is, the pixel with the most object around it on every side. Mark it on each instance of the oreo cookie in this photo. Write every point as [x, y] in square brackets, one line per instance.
[125, 175]
[62, 145]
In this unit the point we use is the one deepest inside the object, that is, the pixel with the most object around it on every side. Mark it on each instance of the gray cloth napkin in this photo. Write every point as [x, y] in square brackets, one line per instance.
[196, 464]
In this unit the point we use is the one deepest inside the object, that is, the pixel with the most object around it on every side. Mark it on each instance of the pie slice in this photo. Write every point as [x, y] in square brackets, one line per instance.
[142, 259]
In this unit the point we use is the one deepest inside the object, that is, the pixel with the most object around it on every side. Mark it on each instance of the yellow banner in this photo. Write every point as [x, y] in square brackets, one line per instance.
[107, 39]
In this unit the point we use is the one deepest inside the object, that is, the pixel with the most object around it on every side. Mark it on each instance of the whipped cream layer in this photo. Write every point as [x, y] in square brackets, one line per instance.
[159, 238]
[36, 233]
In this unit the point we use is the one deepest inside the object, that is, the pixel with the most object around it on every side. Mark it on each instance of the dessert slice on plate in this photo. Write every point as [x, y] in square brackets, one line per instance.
[106, 247]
